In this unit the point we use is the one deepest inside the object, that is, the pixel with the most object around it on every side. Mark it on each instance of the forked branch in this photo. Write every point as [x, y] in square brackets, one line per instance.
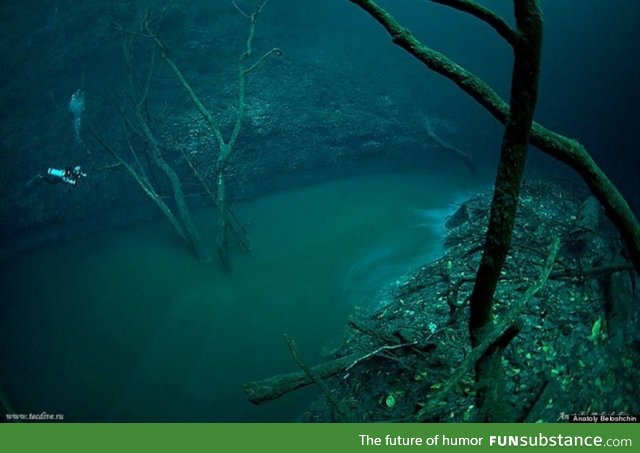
[564, 149]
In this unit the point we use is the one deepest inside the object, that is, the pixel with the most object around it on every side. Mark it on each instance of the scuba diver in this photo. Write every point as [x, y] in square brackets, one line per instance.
[68, 176]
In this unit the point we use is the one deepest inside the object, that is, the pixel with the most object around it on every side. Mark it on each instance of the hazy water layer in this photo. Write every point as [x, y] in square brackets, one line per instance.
[126, 325]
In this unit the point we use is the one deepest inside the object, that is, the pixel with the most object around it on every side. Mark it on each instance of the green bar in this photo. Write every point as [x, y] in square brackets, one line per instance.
[327, 438]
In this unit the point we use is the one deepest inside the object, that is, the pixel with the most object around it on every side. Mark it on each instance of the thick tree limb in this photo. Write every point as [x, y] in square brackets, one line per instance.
[502, 217]
[558, 146]
[265, 390]
[524, 89]
[260, 392]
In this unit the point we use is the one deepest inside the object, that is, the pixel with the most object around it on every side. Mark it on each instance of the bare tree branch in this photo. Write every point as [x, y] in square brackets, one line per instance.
[485, 15]
[564, 149]
[144, 184]
[225, 147]
[275, 51]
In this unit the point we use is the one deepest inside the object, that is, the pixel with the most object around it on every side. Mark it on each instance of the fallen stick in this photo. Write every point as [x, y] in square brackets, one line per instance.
[260, 392]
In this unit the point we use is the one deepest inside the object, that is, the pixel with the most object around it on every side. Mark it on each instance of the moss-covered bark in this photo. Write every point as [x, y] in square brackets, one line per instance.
[524, 94]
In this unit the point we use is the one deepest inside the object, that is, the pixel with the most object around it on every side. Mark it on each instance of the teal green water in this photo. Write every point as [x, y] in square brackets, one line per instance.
[126, 325]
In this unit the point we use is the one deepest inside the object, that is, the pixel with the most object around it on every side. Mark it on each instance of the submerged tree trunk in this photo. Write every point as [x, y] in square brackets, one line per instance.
[184, 213]
[143, 181]
[192, 233]
[524, 92]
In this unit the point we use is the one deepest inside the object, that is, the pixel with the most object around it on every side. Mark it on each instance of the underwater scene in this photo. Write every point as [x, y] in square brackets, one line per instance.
[335, 211]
